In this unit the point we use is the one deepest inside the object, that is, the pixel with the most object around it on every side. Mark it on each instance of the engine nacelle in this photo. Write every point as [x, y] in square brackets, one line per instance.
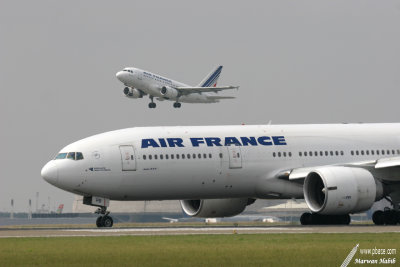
[212, 208]
[169, 92]
[132, 92]
[341, 190]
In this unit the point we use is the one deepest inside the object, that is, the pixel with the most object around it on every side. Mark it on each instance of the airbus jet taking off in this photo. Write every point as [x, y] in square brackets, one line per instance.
[140, 82]
[216, 171]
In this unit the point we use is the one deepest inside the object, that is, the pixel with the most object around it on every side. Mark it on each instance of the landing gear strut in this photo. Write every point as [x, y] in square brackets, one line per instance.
[152, 104]
[308, 218]
[104, 220]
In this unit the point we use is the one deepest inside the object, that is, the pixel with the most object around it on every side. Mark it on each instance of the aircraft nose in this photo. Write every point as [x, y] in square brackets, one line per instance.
[50, 172]
[120, 75]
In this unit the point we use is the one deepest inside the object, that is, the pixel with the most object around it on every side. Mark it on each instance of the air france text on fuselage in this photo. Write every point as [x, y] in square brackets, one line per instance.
[214, 141]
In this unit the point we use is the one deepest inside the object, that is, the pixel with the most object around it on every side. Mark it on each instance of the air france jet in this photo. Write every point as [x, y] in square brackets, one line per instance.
[216, 171]
[140, 83]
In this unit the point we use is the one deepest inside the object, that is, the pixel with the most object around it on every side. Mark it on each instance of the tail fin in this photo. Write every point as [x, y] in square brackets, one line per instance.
[211, 79]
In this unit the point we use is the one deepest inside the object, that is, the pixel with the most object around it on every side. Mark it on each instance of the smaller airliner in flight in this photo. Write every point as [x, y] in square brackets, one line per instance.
[141, 82]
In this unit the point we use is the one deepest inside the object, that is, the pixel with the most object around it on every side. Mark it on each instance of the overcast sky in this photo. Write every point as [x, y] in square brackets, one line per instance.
[295, 61]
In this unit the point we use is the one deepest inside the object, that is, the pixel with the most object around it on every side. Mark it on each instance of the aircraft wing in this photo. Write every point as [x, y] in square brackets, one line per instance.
[188, 90]
[217, 97]
[374, 166]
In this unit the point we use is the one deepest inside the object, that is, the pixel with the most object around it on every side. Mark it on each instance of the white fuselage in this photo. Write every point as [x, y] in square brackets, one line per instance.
[151, 84]
[214, 161]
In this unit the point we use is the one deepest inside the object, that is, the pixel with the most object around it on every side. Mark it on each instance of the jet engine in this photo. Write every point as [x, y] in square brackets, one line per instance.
[341, 190]
[211, 208]
[168, 92]
[132, 92]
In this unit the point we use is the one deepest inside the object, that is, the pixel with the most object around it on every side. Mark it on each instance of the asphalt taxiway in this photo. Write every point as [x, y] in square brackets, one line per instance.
[82, 232]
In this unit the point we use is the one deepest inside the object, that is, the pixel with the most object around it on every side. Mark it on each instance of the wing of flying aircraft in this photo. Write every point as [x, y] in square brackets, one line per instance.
[189, 90]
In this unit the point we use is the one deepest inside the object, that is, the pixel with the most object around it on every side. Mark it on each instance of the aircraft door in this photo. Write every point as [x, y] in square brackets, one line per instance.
[235, 157]
[128, 158]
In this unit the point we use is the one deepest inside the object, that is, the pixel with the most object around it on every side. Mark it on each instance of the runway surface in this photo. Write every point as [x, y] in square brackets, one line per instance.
[82, 232]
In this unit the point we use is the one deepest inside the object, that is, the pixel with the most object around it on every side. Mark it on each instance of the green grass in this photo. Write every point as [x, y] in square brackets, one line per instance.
[190, 250]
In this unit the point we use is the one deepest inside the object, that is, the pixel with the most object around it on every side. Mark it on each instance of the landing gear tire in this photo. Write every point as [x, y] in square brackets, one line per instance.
[177, 105]
[152, 105]
[99, 221]
[107, 221]
[386, 217]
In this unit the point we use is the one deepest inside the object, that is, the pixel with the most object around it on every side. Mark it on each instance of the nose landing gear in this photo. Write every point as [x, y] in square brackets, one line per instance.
[104, 220]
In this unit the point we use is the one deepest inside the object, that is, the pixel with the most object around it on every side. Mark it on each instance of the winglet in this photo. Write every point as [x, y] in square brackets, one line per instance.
[212, 78]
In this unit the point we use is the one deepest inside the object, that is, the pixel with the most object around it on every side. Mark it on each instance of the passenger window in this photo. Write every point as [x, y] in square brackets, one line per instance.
[199, 156]
[220, 155]
[310, 153]
[393, 152]
[367, 152]
[357, 152]
[284, 154]
[352, 153]
[300, 154]
[372, 152]
[166, 156]
[377, 152]
[150, 157]
[238, 155]
[316, 153]
[331, 153]
[341, 153]
[79, 155]
[290, 154]
[398, 151]
[144, 157]
[172, 156]
[321, 153]
[183, 156]
[305, 154]
[188, 156]
[205, 155]
[274, 154]
[210, 156]
[161, 157]
[326, 153]
[155, 157]
[194, 156]
[279, 154]
[337, 153]
[388, 152]
[383, 152]
[362, 152]
[61, 156]
[71, 155]
[177, 156]
[131, 157]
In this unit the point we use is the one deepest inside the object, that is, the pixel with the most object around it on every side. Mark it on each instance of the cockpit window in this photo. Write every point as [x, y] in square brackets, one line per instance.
[71, 155]
[61, 156]
[79, 155]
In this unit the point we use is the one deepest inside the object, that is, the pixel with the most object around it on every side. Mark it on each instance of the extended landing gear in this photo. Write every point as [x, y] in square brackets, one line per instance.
[386, 217]
[152, 104]
[177, 105]
[318, 219]
[104, 220]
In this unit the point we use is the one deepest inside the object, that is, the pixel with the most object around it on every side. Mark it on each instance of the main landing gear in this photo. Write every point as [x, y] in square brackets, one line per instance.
[308, 218]
[104, 220]
[177, 105]
[386, 217]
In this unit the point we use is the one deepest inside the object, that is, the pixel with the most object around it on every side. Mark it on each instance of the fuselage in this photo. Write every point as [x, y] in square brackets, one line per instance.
[151, 83]
[208, 162]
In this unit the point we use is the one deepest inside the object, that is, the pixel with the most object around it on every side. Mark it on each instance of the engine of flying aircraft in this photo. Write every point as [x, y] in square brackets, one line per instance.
[132, 92]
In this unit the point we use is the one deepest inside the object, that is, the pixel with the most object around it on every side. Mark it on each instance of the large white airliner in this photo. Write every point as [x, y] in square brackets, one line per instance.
[140, 82]
[216, 171]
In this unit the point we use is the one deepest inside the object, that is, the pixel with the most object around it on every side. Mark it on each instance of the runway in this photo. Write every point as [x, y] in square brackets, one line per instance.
[143, 231]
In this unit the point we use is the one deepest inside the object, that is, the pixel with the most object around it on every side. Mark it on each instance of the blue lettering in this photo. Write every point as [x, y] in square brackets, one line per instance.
[264, 140]
[279, 140]
[211, 141]
[197, 141]
[149, 142]
[162, 142]
[251, 140]
[172, 142]
[232, 141]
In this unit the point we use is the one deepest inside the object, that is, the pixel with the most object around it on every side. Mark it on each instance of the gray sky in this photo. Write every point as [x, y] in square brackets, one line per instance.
[295, 61]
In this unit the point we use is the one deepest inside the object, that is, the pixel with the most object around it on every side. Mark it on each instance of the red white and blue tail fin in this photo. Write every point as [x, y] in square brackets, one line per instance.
[212, 78]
